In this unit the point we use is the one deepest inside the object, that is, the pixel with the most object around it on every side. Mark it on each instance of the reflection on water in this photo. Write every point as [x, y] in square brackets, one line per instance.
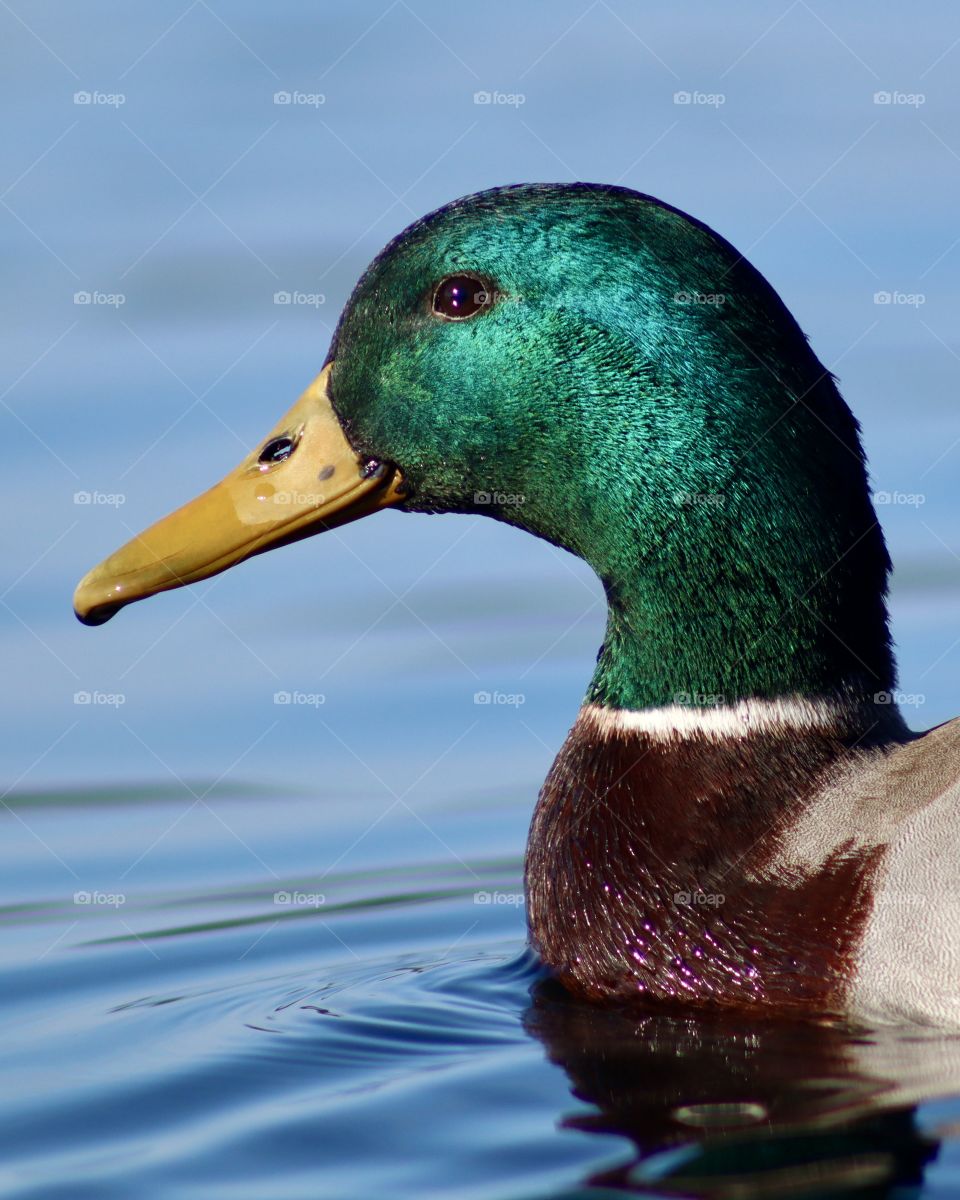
[726, 1107]
[174, 1026]
[226, 1020]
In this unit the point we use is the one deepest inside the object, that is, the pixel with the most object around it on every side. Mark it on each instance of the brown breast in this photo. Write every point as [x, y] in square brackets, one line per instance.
[653, 871]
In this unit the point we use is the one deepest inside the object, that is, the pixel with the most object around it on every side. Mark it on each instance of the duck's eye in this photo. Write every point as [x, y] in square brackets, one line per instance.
[460, 296]
[276, 450]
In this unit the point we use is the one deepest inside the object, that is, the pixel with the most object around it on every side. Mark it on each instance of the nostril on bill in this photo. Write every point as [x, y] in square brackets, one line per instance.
[276, 450]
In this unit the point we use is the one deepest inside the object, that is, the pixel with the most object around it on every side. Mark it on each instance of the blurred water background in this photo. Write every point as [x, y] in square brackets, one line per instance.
[189, 192]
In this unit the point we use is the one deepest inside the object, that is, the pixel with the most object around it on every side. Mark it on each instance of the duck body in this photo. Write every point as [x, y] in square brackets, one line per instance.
[776, 856]
[739, 816]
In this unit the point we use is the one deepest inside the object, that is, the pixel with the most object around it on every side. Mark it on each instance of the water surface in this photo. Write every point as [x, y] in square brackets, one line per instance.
[237, 1024]
[260, 948]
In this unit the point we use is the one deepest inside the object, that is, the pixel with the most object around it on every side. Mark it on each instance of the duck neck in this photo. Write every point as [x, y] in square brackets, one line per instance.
[714, 618]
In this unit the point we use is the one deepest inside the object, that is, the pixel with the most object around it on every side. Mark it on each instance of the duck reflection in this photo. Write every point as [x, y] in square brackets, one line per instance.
[723, 1106]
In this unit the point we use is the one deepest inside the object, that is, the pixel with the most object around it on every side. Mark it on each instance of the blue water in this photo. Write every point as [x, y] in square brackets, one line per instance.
[261, 949]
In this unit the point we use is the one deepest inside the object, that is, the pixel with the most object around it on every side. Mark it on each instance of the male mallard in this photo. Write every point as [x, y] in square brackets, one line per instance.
[739, 817]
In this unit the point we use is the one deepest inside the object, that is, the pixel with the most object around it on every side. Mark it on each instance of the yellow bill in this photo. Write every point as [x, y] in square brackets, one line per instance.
[304, 478]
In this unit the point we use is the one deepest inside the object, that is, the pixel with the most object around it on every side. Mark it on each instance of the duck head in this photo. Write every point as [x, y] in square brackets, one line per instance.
[602, 370]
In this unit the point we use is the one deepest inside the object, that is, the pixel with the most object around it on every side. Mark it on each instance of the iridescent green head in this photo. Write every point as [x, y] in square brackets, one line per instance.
[635, 392]
[593, 366]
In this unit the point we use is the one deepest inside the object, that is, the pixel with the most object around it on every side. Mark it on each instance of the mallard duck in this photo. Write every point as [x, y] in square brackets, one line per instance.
[739, 816]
